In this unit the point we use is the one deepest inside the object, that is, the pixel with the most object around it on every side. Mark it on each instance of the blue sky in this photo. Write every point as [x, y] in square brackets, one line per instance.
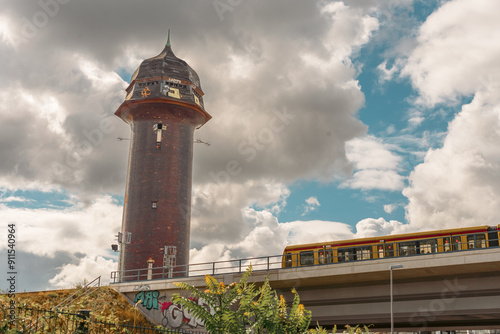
[389, 111]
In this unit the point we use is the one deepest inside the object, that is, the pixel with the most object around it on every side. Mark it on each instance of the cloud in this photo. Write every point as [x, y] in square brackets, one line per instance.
[14, 199]
[60, 238]
[371, 227]
[376, 166]
[387, 74]
[88, 269]
[87, 229]
[220, 210]
[457, 183]
[312, 204]
[302, 232]
[389, 208]
[65, 140]
[454, 53]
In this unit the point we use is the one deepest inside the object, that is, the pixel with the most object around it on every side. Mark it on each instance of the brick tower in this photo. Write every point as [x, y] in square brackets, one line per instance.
[164, 105]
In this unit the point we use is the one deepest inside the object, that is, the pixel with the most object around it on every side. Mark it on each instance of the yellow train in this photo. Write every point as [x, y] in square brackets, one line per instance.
[391, 246]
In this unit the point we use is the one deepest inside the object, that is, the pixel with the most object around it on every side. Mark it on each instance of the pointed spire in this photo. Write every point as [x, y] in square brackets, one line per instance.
[168, 41]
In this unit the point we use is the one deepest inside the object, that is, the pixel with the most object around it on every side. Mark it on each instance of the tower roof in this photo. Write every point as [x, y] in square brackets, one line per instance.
[166, 64]
[167, 77]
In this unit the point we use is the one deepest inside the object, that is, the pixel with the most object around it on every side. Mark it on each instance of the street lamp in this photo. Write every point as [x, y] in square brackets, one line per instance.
[396, 266]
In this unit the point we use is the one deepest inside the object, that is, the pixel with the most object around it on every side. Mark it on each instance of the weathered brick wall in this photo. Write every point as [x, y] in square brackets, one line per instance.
[158, 173]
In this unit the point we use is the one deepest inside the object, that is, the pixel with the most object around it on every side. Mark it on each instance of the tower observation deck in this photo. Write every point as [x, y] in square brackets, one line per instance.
[163, 105]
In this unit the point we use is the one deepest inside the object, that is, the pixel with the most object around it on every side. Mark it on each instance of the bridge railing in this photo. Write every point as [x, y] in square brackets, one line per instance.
[199, 269]
[305, 258]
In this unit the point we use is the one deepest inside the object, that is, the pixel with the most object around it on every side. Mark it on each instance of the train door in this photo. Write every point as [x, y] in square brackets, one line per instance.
[492, 236]
[325, 256]
[446, 245]
[389, 250]
[288, 260]
[380, 251]
[456, 243]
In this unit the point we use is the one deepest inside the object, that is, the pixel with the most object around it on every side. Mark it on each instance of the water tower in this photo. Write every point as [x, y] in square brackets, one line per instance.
[164, 106]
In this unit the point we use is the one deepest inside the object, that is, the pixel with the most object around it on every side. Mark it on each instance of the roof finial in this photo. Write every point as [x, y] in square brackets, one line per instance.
[168, 41]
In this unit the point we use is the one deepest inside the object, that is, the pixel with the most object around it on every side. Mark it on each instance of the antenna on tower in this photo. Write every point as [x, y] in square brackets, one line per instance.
[199, 141]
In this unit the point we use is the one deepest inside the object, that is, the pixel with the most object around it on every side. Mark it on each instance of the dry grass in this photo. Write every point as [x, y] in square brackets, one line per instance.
[104, 303]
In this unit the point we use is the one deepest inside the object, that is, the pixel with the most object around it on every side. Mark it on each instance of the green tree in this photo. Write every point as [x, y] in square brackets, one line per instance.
[349, 330]
[241, 308]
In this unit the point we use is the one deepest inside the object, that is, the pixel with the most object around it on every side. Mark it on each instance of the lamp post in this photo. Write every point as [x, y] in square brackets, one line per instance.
[396, 266]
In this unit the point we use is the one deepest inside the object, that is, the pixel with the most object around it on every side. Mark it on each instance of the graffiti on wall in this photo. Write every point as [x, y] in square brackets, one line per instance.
[175, 316]
[172, 315]
[148, 299]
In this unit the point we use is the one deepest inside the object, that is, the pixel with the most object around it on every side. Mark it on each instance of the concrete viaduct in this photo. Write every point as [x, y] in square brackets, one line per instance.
[443, 291]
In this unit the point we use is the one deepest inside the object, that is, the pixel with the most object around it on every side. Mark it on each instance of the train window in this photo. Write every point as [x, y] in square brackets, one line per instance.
[346, 254]
[407, 248]
[428, 246]
[389, 250]
[456, 243]
[321, 257]
[480, 240]
[446, 244]
[307, 258]
[288, 260]
[364, 253]
[380, 251]
[325, 256]
[476, 241]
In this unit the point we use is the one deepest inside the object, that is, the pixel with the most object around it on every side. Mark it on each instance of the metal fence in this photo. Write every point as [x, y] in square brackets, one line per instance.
[34, 321]
[199, 269]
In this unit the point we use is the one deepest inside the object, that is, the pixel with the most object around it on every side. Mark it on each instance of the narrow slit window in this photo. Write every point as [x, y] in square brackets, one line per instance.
[159, 128]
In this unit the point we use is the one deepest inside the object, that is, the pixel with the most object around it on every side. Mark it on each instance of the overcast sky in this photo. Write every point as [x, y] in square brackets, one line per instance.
[344, 118]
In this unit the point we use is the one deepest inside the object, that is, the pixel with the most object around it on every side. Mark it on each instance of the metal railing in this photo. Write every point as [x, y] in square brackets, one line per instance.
[79, 293]
[68, 301]
[274, 262]
[199, 269]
